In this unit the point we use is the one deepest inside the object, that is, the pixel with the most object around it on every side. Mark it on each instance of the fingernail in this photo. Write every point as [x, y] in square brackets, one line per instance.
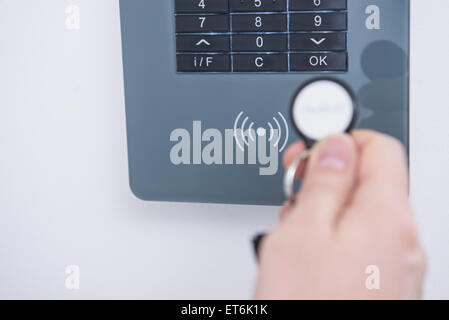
[335, 154]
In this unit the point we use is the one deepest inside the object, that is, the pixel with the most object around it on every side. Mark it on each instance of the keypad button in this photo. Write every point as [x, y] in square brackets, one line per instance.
[300, 5]
[202, 43]
[329, 41]
[203, 63]
[205, 23]
[201, 6]
[260, 42]
[259, 22]
[332, 61]
[336, 21]
[260, 63]
[257, 5]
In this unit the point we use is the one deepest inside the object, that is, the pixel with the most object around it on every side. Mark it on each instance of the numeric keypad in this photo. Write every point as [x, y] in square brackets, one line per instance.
[261, 35]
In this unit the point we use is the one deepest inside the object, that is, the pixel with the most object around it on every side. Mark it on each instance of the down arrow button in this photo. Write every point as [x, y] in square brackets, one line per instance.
[330, 41]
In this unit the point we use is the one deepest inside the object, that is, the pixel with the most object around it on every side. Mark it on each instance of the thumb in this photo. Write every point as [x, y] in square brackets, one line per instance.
[329, 180]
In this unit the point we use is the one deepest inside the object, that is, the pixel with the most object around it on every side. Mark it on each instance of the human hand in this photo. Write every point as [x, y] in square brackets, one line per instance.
[351, 217]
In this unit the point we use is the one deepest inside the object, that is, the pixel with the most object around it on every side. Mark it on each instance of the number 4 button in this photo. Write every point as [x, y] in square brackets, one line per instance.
[198, 6]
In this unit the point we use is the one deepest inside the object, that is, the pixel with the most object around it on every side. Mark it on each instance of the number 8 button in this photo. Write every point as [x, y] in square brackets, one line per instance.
[259, 23]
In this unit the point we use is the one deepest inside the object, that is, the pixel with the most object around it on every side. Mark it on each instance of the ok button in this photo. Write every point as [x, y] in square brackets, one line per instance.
[332, 61]
[318, 61]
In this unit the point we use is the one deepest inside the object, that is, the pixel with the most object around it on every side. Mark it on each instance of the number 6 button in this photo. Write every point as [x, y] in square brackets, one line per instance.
[303, 5]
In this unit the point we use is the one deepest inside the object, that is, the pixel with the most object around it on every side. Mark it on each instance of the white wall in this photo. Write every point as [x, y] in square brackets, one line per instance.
[64, 195]
[429, 136]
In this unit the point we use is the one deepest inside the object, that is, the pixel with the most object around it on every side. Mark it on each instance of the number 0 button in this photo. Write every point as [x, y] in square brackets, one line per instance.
[260, 42]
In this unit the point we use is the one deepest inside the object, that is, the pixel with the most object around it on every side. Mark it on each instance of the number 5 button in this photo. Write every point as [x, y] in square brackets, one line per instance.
[257, 5]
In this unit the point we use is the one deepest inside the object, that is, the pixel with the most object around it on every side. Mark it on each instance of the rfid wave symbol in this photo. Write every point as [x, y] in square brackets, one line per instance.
[243, 139]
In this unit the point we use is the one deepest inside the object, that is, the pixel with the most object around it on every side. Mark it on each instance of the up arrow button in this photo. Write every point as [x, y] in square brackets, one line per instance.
[202, 43]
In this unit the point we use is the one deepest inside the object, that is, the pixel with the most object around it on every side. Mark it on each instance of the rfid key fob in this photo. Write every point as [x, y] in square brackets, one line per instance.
[323, 107]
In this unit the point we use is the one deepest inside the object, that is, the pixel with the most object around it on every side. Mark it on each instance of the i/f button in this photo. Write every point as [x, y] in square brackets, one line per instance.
[203, 62]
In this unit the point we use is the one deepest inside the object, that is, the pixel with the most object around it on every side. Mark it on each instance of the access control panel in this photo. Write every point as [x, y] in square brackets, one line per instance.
[209, 85]
[261, 36]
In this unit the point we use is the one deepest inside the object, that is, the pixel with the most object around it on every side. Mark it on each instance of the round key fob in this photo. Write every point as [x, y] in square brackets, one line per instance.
[323, 107]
